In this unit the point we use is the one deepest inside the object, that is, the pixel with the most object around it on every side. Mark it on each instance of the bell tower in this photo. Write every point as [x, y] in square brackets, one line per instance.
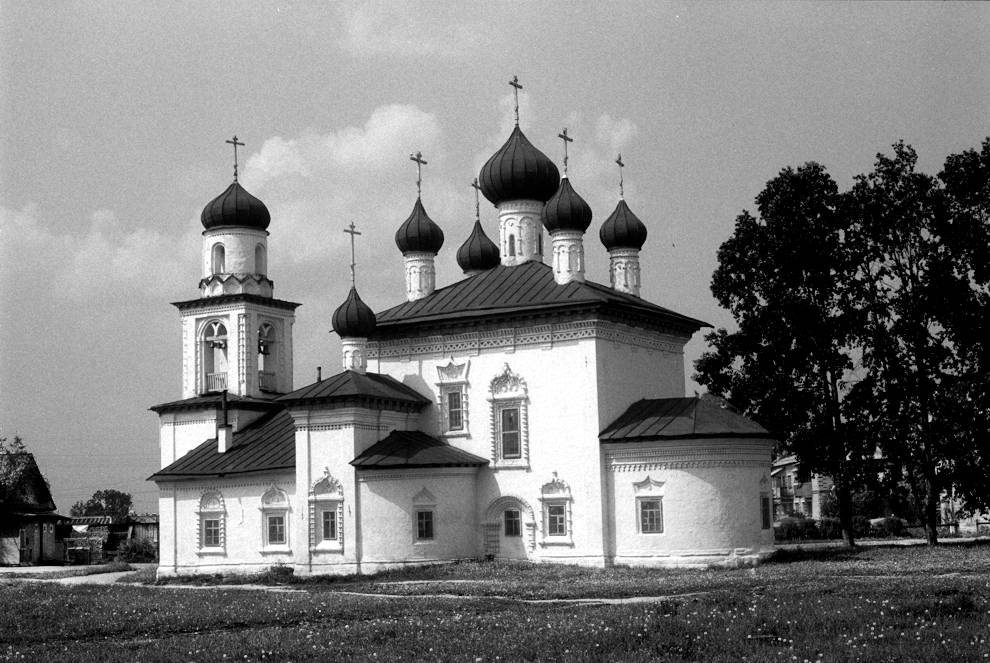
[236, 337]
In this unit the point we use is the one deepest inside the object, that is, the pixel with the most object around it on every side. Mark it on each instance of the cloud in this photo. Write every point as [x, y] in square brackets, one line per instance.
[407, 29]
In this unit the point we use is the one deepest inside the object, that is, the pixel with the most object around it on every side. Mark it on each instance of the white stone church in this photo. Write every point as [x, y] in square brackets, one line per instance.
[521, 412]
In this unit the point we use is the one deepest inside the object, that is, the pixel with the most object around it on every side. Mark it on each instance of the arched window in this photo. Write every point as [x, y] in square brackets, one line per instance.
[218, 259]
[326, 515]
[214, 357]
[260, 260]
[512, 245]
[212, 536]
[266, 357]
[275, 519]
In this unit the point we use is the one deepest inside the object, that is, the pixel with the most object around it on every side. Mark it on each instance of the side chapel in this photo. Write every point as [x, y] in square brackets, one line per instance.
[521, 412]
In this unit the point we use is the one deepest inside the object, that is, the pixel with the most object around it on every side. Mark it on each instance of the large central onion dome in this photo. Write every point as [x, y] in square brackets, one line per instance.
[478, 252]
[353, 318]
[622, 229]
[518, 171]
[419, 232]
[566, 210]
[235, 207]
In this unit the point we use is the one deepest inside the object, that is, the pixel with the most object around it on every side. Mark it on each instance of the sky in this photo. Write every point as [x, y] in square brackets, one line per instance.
[114, 117]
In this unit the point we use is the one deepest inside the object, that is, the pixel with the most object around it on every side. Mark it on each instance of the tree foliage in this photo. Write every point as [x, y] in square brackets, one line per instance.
[109, 502]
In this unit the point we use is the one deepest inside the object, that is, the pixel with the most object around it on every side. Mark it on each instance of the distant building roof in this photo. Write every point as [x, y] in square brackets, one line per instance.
[680, 418]
[213, 400]
[23, 489]
[264, 445]
[412, 449]
[524, 290]
[348, 387]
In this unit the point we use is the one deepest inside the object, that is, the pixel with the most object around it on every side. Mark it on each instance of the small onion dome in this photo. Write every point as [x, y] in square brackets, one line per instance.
[566, 210]
[418, 232]
[478, 252]
[518, 171]
[235, 207]
[353, 318]
[622, 229]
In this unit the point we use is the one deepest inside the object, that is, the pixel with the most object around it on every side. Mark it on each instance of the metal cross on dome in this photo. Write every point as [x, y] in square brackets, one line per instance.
[477, 199]
[567, 139]
[618, 160]
[235, 143]
[518, 86]
[352, 232]
[420, 162]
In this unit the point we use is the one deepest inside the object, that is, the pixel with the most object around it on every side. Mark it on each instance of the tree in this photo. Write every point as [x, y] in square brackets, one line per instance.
[785, 277]
[109, 502]
[916, 283]
[12, 461]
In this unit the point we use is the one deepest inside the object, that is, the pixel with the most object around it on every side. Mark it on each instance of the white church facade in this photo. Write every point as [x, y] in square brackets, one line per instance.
[521, 412]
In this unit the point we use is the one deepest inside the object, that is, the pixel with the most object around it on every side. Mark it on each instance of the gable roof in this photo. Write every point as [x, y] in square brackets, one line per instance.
[351, 386]
[680, 419]
[413, 449]
[527, 289]
[22, 487]
[264, 445]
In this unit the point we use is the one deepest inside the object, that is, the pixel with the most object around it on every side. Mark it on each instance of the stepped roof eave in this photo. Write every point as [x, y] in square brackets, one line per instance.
[235, 298]
[523, 290]
[213, 401]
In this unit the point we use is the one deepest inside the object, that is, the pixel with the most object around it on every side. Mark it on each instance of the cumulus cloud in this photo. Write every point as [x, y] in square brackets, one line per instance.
[407, 29]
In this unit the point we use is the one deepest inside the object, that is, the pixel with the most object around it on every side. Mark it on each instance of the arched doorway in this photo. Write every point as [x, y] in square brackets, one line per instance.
[510, 529]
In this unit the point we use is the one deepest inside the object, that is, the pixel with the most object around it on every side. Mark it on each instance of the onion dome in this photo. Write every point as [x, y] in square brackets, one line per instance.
[353, 318]
[235, 207]
[478, 252]
[518, 171]
[418, 232]
[622, 229]
[566, 210]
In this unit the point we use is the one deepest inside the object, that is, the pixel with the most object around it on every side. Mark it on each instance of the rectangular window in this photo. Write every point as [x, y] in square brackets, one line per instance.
[651, 515]
[329, 522]
[765, 511]
[276, 530]
[424, 525]
[211, 532]
[513, 523]
[455, 411]
[510, 433]
[556, 520]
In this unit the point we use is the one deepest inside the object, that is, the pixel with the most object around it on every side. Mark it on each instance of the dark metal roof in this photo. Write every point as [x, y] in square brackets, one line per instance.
[351, 386]
[478, 252]
[235, 207]
[525, 289]
[412, 449]
[518, 171]
[264, 445]
[236, 298]
[214, 401]
[23, 489]
[680, 418]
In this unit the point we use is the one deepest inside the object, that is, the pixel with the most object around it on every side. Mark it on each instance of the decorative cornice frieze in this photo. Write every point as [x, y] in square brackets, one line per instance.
[517, 337]
[311, 428]
[691, 463]
[368, 476]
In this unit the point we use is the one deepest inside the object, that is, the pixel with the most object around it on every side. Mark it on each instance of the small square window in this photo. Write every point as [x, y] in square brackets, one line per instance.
[211, 532]
[424, 525]
[556, 520]
[328, 529]
[651, 515]
[513, 522]
[276, 530]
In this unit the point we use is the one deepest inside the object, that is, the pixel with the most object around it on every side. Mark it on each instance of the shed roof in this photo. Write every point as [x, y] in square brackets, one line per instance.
[412, 449]
[348, 386]
[264, 445]
[529, 288]
[680, 418]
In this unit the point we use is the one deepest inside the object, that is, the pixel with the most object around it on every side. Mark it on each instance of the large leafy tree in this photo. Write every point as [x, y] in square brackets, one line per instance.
[920, 293]
[109, 502]
[786, 279]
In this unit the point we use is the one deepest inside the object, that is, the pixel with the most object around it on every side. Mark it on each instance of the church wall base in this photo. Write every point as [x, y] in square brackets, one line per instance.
[700, 559]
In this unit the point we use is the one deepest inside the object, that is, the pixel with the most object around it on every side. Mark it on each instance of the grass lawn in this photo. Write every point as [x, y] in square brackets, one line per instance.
[876, 604]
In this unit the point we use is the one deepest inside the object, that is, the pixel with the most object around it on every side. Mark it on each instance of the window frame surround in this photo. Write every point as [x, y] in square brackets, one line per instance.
[326, 496]
[211, 507]
[275, 502]
[507, 391]
[557, 494]
[424, 502]
[453, 378]
[518, 521]
[646, 491]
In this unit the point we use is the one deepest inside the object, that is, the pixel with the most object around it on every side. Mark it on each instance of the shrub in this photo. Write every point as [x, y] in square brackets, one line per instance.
[830, 528]
[791, 528]
[137, 550]
[278, 574]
